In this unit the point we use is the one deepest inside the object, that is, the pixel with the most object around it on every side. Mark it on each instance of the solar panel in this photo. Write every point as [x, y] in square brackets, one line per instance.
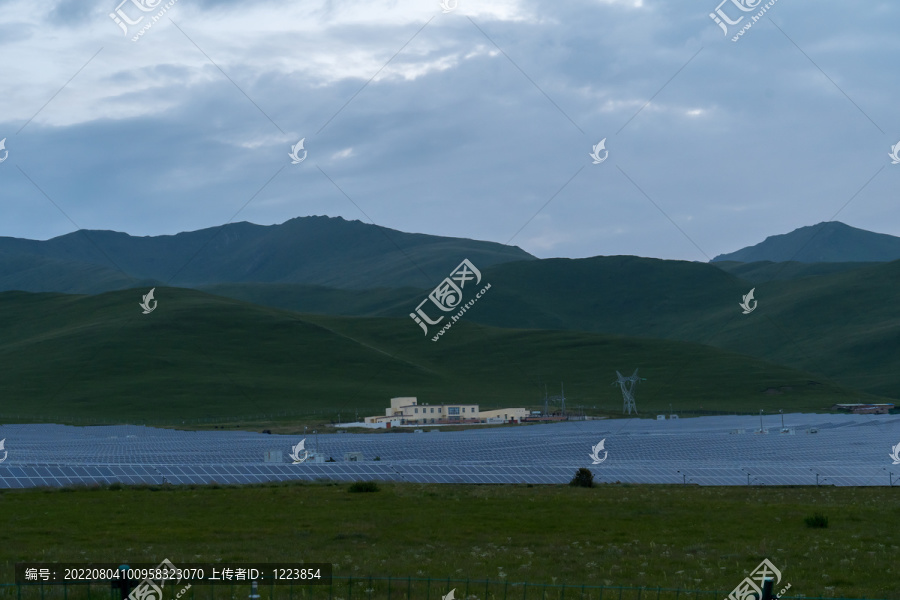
[847, 450]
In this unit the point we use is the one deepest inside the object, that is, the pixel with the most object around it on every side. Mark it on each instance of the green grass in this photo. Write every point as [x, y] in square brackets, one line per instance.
[200, 356]
[836, 320]
[630, 535]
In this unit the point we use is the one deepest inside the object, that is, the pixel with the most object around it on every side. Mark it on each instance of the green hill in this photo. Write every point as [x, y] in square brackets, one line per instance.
[35, 273]
[842, 325]
[839, 324]
[627, 295]
[763, 271]
[320, 299]
[199, 355]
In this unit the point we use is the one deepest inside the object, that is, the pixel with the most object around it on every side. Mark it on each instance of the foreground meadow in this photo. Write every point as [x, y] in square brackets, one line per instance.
[684, 537]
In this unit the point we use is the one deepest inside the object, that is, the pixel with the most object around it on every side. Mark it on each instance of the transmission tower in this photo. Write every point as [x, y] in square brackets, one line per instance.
[628, 390]
[561, 400]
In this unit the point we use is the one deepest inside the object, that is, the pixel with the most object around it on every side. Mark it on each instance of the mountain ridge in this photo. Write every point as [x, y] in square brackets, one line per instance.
[826, 242]
[314, 250]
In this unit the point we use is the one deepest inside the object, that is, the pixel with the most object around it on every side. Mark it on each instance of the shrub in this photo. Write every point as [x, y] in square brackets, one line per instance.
[818, 520]
[363, 486]
[377, 458]
[583, 478]
[115, 486]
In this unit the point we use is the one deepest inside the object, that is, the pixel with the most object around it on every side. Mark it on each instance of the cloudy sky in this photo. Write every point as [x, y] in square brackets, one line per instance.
[475, 122]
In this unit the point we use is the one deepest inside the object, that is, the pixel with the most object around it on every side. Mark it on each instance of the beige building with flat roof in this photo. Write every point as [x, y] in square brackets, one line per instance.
[410, 412]
[507, 414]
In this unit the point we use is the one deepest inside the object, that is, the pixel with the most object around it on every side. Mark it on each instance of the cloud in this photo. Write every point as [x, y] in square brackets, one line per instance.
[465, 124]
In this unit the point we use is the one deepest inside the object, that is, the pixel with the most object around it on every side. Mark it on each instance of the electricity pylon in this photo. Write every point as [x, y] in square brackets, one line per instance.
[628, 390]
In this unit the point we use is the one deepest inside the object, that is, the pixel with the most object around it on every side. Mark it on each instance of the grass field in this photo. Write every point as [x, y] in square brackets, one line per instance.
[669, 536]
[71, 358]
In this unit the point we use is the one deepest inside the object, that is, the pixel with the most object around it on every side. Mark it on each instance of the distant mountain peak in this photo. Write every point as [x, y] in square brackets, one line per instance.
[825, 242]
[314, 250]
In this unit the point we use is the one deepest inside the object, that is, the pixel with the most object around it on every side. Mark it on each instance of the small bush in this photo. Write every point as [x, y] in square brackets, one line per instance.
[583, 478]
[818, 520]
[377, 458]
[363, 486]
[115, 486]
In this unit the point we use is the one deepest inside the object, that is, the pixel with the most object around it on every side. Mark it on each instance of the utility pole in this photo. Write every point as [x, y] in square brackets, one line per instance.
[562, 400]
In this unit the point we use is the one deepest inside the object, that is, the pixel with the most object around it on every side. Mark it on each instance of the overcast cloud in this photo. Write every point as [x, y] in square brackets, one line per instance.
[474, 123]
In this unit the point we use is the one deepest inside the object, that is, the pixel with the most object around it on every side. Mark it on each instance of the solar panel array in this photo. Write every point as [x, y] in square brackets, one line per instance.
[845, 450]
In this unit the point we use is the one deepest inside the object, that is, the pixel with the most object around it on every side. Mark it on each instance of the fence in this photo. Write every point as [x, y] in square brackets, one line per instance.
[383, 588]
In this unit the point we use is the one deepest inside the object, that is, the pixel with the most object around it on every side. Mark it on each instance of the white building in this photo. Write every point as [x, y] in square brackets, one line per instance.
[408, 411]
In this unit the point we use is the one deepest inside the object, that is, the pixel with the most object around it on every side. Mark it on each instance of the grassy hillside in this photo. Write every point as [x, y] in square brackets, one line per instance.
[199, 355]
[669, 536]
[764, 271]
[838, 324]
[841, 325]
[626, 295]
[35, 273]
[319, 299]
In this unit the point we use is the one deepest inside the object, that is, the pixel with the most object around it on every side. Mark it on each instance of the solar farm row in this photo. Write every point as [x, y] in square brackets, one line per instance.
[65, 475]
[828, 449]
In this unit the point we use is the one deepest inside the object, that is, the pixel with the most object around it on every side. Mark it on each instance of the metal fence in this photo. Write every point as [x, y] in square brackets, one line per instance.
[380, 588]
